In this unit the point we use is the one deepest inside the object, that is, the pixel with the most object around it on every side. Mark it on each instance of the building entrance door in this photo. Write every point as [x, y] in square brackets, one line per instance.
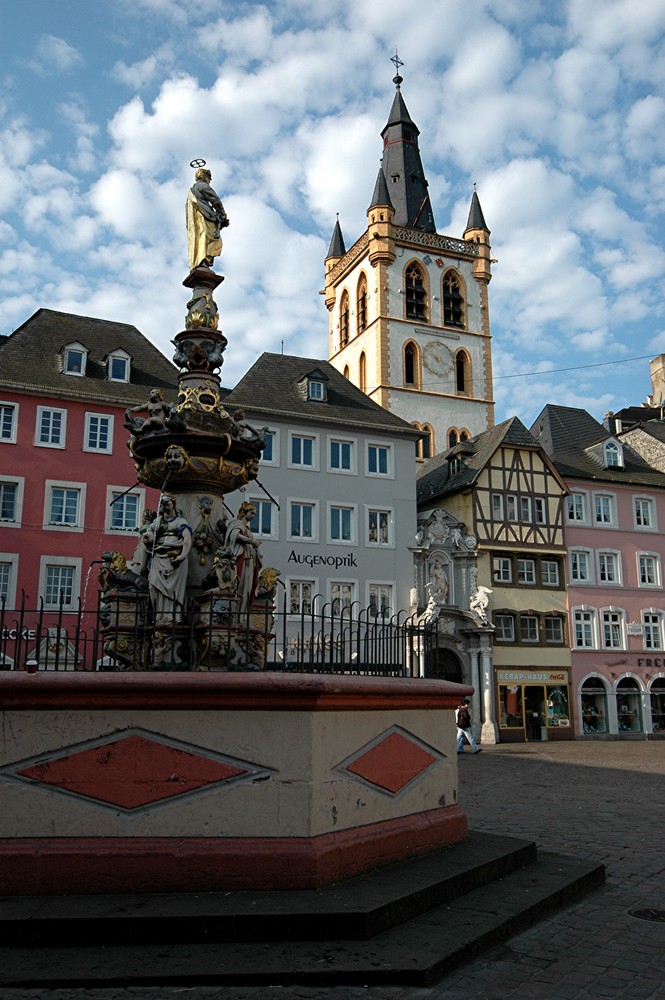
[534, 714]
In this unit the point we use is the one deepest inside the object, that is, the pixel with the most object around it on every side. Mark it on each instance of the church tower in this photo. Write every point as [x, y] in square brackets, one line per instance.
[409, 315]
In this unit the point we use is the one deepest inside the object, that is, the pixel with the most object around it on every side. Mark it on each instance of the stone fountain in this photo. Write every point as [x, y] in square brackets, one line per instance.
[195, 595]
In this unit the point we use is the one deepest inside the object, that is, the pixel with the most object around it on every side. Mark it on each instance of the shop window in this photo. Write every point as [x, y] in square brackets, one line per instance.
[594, 706]
[629, 708]
[342, 596]
[301, 596]
[361, 303]
[453, 300]
[380, 600]
[557, 706]
[416, 295]
[510, 706]
[344, 320]
[658, 705]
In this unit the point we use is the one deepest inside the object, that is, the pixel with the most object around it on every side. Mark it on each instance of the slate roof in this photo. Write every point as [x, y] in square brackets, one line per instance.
[434, 478]
[568, 434]
[273, 388]
[476, 218]
[29, 359]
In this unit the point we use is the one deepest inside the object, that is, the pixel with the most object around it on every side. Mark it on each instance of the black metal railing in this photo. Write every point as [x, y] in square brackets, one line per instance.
[325, 637]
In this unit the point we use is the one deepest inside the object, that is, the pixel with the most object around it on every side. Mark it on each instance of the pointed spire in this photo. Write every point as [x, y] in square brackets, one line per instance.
[381, 196]
[402, 166]
[336, 248]
[476, 218]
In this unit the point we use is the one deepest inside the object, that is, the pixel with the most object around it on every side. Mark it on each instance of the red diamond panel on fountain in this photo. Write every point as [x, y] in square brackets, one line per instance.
[392, 763]
[131, 772]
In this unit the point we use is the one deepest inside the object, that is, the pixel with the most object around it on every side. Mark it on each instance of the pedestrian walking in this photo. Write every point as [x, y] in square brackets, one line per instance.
[464, 731]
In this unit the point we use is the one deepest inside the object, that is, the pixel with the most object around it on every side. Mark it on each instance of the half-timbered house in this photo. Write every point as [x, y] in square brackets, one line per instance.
[502, 486]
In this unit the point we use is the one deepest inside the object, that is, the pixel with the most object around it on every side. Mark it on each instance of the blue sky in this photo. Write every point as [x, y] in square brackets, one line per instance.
[555, 110]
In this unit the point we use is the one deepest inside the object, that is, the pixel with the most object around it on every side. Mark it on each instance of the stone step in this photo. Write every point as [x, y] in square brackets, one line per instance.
[357, 909]
[418, 952]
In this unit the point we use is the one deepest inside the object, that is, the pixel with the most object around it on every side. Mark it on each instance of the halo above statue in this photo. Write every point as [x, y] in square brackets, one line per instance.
[205, 217]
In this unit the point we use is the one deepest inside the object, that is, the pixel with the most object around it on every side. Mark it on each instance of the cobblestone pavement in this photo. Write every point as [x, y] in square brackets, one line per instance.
[605, 801]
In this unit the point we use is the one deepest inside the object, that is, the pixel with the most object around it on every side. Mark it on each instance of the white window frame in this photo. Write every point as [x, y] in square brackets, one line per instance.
[313, 581]
[647, 626]
[616, 451]
[378, 544]
[19, 482]
[591, 615]
[588, 555]
[12, 559]
[577, 502]
[533, 618]
[353, 584]
[67, 561]
[316, 390]
[390, 459]
[609, 556]
[656, 565]
[550, 563]
[353, 508]
[499, 621]
[274, 516]
[314, 504]
[274, 461]
[540, 510]
[497, 506]
[79, 349]
[304, 435]
[526, 510]
[651, 507]
[562, 634]
[512, 508]
[61, 445]
[390, 584]
[524, 578]
[120, 356]
[505, 561]
[353, 468]
[86, 433]
[621, 615]
[612, 509]
[137, 492]
[61, 484]
[14, 427]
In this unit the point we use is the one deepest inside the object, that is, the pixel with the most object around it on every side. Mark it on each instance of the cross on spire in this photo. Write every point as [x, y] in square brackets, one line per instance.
[397, 79]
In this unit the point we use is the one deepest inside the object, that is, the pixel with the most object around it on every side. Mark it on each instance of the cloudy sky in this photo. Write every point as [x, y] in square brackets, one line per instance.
[556, 110]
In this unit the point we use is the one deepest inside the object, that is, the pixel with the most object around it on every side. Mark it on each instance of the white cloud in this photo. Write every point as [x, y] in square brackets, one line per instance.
[53, 55]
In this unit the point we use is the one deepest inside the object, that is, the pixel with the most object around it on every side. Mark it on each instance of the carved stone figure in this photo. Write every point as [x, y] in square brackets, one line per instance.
[168, 541]
[437, 526]
[205, 218]
[267, 585]
[240, 541]
[478, 604]
[115, 576]
[431, 613]
[439, 582]
[158, 411]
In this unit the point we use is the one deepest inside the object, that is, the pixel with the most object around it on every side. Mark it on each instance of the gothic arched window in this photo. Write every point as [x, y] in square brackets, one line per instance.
[415, 294]
[344, 320]
[453, 437]
[362, 372]
[453, 300]
[462, 373]
[361, 303]
[411, 364]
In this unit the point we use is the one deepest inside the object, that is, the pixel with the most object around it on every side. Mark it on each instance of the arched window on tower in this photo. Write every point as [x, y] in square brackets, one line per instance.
[425, 444]
[346, 371]
[453, 437]
[411, 365]
[464, 435]
[344, 320]
[362, 372]
[462, 373]
[415, 295]
[453, 300]
[361, 303]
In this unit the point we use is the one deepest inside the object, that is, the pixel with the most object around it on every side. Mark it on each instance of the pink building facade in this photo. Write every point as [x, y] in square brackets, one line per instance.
[613, 531]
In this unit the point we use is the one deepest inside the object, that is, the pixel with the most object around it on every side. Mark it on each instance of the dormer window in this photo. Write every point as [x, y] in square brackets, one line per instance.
[316, 390]
[75, 359]
[118, 366]
[613, 455]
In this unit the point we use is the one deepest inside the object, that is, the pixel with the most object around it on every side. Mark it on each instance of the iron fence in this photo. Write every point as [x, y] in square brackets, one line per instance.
[325, 638]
